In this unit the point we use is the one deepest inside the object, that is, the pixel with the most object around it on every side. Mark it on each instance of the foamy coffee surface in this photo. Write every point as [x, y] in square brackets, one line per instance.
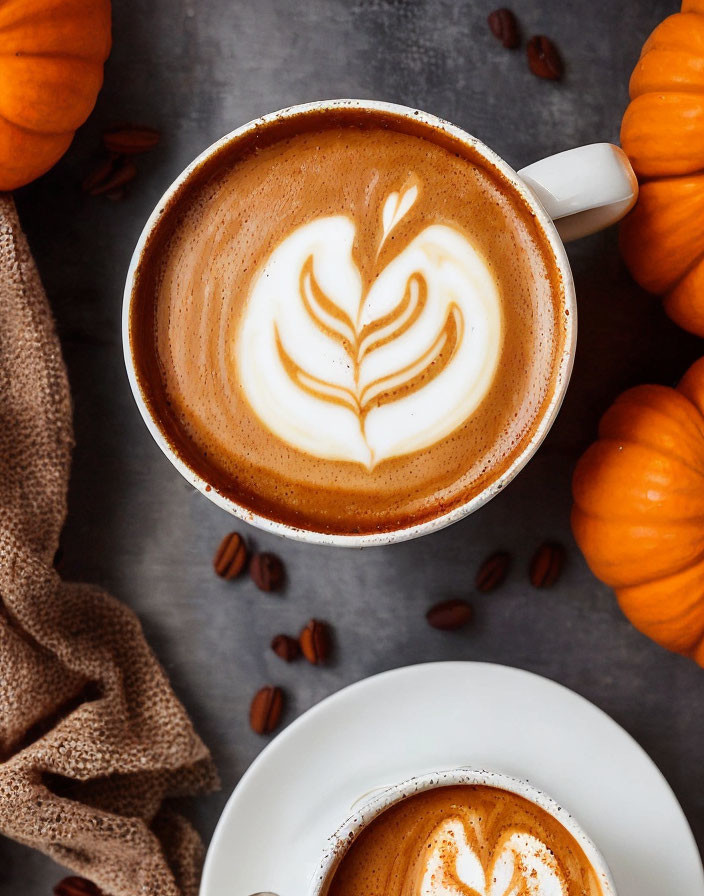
[350, 328]
[462, 840]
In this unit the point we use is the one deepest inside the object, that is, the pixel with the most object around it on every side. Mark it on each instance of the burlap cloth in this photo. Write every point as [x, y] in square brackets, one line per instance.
[93, 741]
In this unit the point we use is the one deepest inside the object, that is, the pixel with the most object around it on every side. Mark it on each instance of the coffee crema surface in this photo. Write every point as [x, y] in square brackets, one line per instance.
[465, 840]
[348, 323]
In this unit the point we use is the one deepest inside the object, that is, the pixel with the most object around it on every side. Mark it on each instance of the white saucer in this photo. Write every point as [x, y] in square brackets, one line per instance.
[442, 715]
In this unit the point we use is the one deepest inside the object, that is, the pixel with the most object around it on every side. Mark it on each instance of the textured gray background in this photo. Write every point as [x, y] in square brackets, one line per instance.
[196, 70]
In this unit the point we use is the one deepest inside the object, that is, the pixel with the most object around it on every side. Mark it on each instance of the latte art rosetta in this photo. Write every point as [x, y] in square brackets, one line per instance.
[465, 841]
[348, 371]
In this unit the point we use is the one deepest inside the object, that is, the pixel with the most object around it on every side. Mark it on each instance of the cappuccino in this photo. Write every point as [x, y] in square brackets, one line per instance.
[348, 322]
[465, 839]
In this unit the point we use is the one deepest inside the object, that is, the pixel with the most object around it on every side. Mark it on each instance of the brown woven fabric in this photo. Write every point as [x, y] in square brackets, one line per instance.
[92, 738]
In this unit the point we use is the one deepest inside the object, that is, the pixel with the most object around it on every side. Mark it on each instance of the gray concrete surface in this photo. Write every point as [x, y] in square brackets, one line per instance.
[196, 70]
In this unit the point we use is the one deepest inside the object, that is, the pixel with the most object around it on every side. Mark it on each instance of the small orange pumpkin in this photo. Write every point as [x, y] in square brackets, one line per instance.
[638, 514]
[51, 69]
[662, 240]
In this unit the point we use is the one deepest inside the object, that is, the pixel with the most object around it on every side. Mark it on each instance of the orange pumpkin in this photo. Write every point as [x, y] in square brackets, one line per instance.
[51, 69]
[638, 514]
[662, 240]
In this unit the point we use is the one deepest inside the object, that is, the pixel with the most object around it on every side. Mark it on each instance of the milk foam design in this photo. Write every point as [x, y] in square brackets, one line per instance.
[347, 373]
[522, 865]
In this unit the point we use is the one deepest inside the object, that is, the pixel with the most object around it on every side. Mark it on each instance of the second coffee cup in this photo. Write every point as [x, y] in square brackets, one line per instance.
[458, 832]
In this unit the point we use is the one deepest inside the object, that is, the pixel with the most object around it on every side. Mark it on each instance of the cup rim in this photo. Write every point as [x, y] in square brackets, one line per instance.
[563, 367]
[369, 809]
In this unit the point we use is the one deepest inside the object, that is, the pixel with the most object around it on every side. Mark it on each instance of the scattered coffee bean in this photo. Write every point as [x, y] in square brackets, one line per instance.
[493, 571]
[286, 647]
[544, 59]
[315, 642]
[267, 572]
[265, 709]
[231, 557]
[546, 565]
[111, 174]
[504, 26]
[100, 172]
[122, 174]
[76, 886]
[449, 614]
[130, 140]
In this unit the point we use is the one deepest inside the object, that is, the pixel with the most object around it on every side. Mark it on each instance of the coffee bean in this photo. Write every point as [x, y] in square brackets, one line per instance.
[267, 572]
[546, 565]
[504, 26]
[76, 886]
[100, 172]
[130, 140]
[265, 709]
[493, 571]
[544, 59]
[449, 614]
[122, 174]
[286, 647]
[231, 557]
[315, 642]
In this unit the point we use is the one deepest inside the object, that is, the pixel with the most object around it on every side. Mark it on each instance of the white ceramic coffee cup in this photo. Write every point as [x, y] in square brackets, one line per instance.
[368, 810]
[572, 194]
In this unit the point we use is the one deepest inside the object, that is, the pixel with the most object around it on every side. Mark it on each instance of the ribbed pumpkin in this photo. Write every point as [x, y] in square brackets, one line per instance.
[51, 69]
[638, 514]
[662, 240]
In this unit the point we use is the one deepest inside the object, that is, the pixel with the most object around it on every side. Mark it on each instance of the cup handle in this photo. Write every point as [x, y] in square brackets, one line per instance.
[584, 189]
